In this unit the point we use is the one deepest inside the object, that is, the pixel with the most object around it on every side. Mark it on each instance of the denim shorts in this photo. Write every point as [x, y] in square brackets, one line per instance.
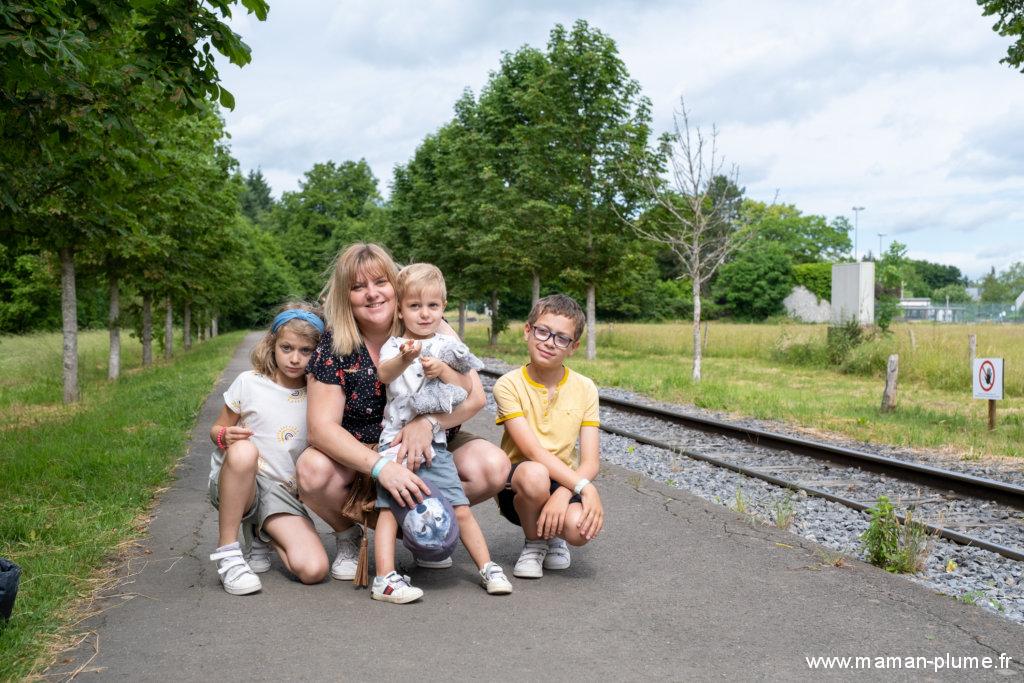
[441, 477]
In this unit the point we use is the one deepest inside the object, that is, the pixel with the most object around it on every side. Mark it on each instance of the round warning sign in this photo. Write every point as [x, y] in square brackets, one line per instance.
[986, 375]
[988, 378]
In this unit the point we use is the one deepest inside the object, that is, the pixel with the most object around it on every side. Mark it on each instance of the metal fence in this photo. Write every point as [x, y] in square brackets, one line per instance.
[963, 313]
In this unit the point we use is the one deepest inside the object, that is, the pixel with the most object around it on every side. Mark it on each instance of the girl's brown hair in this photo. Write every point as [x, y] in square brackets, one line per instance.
[374, 261]
[262, 355]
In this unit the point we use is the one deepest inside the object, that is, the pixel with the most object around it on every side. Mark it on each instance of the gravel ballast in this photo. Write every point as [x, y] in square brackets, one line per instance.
[968, 574]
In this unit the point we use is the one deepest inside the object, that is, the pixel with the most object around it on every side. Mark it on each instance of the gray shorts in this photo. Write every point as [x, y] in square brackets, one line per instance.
[272, 498]
[441, 477]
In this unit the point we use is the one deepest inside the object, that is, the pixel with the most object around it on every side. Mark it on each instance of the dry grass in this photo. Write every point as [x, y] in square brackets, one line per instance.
[743, 377]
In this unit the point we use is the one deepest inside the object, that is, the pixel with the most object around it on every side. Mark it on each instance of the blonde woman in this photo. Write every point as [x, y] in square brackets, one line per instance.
[346, 408]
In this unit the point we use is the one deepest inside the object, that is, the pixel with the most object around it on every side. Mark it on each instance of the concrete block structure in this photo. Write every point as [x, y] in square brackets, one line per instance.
[853, 292]
[805, 306]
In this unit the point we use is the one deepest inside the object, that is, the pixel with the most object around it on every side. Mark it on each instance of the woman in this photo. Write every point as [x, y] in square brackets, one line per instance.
[346, 407]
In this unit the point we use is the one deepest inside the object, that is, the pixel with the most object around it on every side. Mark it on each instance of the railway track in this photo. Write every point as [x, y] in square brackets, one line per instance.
[976, 511]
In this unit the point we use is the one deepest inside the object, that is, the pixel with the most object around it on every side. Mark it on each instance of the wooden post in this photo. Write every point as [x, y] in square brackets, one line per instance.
[891, 373]
[913, 341]
[704, 343]
[972, 348]
[991, 414]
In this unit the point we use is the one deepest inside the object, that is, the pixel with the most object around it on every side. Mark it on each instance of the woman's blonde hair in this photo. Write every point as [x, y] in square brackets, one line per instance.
[374, 261]
[262, 355]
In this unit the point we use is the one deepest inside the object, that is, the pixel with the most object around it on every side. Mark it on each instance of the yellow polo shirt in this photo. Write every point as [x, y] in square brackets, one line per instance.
[555, 420]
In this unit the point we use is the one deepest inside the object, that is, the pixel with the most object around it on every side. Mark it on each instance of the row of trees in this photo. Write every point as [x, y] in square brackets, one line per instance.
[112, 155]
[549, 179]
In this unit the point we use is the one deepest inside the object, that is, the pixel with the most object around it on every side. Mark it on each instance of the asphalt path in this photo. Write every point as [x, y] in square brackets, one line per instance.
[675, 588]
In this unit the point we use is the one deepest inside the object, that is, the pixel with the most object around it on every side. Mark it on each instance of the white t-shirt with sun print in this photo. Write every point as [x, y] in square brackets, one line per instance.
[277, 417]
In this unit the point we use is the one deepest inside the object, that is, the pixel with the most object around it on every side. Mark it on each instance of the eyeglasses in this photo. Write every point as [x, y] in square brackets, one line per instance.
[560, 340]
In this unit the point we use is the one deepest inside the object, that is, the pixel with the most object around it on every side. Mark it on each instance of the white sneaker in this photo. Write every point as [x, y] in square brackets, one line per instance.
[259, 555]
[492, 578]
[345, 562]
[394, 588]
[435, 564]
[235, 573]
[558, 557]
[531, 559]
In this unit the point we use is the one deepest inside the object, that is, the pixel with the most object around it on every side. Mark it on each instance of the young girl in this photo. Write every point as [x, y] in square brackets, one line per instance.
[259, 434]
[404, 367]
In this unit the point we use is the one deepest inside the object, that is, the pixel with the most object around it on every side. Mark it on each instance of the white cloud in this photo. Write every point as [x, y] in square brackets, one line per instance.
[900, 106]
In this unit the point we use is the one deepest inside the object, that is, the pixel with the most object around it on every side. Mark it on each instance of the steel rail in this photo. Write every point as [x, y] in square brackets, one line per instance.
[934, 476]
[977, 487]
[943, 532]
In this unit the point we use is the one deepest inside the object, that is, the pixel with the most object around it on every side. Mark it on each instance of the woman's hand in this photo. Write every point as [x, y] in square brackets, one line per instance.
[405, 487]
[592, 521]
[236, 433]
[414, 444]
[552, 515]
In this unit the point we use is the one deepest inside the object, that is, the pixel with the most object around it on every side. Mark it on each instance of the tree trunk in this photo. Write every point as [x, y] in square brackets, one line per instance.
[113, 322]
[169, 330]
[213, 326]
[69, 319]
[462, 320]
[696, 331]
[147, 329]
[591, 321]
[201, 326]
[493, 339]
[186, 326]
[535, 292]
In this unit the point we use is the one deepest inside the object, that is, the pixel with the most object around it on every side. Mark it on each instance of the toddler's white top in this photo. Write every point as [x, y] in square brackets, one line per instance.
[399, 410]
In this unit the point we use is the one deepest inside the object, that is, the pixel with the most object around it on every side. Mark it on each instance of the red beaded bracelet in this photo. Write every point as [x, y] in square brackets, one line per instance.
[220, 438]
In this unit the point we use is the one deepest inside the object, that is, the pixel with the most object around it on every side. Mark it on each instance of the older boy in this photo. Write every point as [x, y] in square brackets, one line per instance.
[545, 407]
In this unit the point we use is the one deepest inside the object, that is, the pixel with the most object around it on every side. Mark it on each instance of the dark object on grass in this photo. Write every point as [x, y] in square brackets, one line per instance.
[10, 574]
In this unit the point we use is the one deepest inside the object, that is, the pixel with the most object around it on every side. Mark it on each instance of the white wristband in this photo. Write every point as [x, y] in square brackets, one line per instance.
[580, 485]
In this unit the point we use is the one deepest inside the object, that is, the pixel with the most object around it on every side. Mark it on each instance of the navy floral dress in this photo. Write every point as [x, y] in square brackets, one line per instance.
[357, 376]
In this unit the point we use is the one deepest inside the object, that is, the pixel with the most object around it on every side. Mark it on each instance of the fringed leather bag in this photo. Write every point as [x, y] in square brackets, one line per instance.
[361, 509]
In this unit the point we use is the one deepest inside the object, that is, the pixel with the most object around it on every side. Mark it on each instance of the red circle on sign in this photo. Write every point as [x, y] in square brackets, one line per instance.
[991, 375]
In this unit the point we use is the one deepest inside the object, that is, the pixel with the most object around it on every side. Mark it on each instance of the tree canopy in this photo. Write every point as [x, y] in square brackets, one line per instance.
[1009, 22]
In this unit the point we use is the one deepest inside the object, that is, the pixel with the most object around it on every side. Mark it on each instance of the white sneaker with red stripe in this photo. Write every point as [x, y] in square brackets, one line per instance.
[394, 588]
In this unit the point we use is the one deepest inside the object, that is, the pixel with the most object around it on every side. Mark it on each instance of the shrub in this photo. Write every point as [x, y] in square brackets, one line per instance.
[817, 277]
[754, 284]
[841, 340]
[896, 547]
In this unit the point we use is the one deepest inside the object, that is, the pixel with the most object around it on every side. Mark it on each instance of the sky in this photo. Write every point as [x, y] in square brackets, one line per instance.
[897, 106]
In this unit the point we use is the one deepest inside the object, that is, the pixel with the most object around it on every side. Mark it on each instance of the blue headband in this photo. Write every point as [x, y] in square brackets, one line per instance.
[292, 314]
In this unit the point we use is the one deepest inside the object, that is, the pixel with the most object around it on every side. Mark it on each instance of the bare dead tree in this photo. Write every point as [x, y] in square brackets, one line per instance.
[690, 215]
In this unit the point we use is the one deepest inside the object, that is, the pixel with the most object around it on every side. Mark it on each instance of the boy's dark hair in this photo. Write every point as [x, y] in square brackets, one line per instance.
[560, 304]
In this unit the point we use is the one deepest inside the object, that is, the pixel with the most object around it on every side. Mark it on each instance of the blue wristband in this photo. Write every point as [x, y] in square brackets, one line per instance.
[378, 466]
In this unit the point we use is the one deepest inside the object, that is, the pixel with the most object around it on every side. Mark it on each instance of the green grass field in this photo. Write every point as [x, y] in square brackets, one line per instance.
[76, 481]
[775, 372]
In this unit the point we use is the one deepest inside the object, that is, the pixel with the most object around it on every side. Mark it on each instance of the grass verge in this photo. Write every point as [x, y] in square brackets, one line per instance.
[812, 399]
[75, 480]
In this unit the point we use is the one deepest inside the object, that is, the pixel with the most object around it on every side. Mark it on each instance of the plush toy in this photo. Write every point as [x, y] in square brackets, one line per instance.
[434, 396]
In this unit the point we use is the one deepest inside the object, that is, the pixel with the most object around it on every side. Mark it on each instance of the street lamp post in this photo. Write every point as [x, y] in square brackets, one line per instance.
[856, 216]
[880, 236]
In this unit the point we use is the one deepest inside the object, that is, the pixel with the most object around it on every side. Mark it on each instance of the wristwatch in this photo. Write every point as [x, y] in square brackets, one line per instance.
[435, 426]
